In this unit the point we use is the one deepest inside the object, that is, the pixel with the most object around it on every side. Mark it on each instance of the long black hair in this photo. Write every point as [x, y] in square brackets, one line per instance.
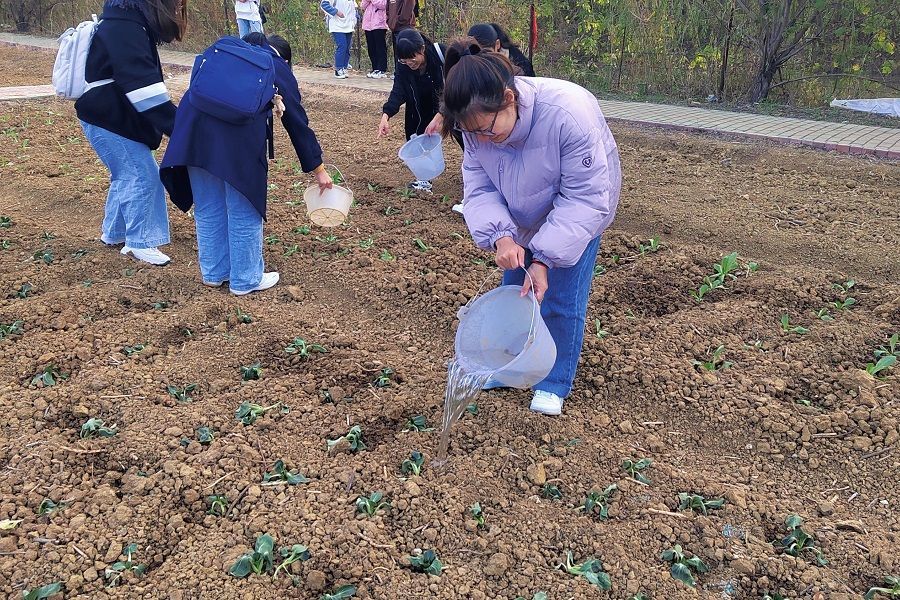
[409, 43]
[166, 18]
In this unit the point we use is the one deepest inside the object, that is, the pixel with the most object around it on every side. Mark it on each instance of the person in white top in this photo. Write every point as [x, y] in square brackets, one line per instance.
[341, 19]
[248, 19]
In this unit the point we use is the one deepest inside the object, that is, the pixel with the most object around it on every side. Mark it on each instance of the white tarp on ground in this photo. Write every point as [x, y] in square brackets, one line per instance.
[882, 106]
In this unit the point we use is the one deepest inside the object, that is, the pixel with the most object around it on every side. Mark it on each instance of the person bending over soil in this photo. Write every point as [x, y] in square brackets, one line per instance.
[541, 179]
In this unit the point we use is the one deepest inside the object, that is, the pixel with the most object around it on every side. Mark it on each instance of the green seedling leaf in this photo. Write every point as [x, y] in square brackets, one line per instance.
[598, 502]
[281, 475]
[824, 315]
[716, 361]
[182, 394]
[422, 246]
[845, 304]
[634, 468]
[891, 349]
[251, 372]
[205, 435]
[45, 256]
[427, 562]
[385, 376]
[272, 239]
[132, 350]
[291, 554]
[844, 288]
[416, 423]
[476, 513]
[591, 569]
[367, 243]
[798, 543]
[342, 593]
[682, 566]
[42, 592]
[472, 409]
[243, 317]
[786, 326]
[639, 596]
[413, 464]
[114, 572]
[599, 331]
[161, 304]
[386, 256]
[891, 591]
[652, 245]
[50, 376]
[304, 349]
[48, 507]
[24, 290]
[353, 438]
[884, 363]
[6, 222]
[10, 329]
[551, 492]
[7, 524]
[248, 412]
[218, 505]
[698, 503]
[371, 504]
[94, 428]
[302, 230]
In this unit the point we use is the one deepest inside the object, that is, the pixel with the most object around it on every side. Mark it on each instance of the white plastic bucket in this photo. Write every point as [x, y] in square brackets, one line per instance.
[424, 156]
[329, 208]
[503, 334]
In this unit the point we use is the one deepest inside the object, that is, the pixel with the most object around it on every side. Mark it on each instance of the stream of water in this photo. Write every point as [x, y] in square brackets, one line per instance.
[462, 389]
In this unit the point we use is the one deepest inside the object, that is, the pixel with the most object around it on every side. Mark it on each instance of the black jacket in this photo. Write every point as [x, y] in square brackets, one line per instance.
[420, 110]
[519, 59]
[136, 104]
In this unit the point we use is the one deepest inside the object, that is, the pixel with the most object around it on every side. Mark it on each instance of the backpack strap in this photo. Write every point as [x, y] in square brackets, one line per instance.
[440, 54]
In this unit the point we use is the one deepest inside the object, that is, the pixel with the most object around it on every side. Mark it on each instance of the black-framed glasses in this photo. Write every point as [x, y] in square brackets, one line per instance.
[489, 132]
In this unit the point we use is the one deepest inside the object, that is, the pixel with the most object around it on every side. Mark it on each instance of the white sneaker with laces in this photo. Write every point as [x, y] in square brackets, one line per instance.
[148, 255]
[458, 208]
[546, 403]
[267, 281]
[371, 74]
[340, 74]
[421, 185]
[110, 241]
[379, 75]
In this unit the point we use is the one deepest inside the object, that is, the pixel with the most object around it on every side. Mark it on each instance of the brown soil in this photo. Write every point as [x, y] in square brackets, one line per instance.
[793, 427]
[25, 67]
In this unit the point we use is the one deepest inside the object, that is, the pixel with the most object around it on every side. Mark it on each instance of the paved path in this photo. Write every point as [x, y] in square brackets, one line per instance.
[23, 92]
[883, 142]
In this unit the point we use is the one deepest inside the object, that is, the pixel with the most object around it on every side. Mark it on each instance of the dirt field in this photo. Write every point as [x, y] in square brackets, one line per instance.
[793, 427]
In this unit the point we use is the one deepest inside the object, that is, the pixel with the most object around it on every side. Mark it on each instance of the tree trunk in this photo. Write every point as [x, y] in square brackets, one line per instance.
[759, 91]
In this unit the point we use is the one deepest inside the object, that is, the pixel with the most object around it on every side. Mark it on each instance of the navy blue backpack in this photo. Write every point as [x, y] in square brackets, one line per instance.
[233, 81]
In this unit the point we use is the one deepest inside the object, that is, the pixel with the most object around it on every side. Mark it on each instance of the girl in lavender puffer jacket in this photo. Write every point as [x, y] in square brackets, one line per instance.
[375, 25]
[541, 179]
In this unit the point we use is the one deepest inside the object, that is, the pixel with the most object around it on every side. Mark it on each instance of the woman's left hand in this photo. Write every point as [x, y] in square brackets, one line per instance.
[323, 178]
[437, 123]
[538, 274]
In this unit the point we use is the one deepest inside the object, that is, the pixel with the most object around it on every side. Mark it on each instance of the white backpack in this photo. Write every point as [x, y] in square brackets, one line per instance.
[68, 71]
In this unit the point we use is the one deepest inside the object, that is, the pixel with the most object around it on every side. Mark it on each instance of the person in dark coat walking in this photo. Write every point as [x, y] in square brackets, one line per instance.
[221, 169]
[125, 111]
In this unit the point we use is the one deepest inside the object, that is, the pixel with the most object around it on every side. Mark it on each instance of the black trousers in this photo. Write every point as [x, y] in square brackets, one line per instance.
[376, 43]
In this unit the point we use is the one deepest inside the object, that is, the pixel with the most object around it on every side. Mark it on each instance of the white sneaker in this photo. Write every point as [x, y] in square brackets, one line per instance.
[420, 185]
[110, 241]
[147, 255]
[546, 403]
[341, 74]
[267, 281]
[370, 74]
[458, 208]
[379, 75]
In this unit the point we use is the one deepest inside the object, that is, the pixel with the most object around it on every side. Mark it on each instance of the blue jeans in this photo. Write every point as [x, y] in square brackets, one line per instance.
[229, 233]
[564, 310]
[136, 203]
[341, 50]
[245, 26]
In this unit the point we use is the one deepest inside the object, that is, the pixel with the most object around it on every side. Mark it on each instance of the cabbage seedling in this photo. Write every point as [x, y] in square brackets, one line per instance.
[639, 596]
[786, 326]
[291, 554]
[798, 543]
[5, 244]
[844, 288]
[14, 328]
[698, 503]
[24, 290]
[422, 246]
[258, 561]
[48, 506]
[591, 569]
[49, 376]
[94, 427]
[342, 593]
[371, 504]
[251, 372]
[6, 222]
[243, 317]
[891, 349]
[599, 331]
[599, 501]
[218, 505]
[45, 256]
[114, 573]
[413, 464]
[682, 565]
[42, 592]
[304, 349]
[652, 245]
[634, 468]
[844, 304]
[302, 230]
[427, 562]
[182, 394]
[893, 591]
[416, 423]
[205, 435]
[774, 596]
[884, 363]
[132, 350]
[386, 256]
[824, 315]
[353, 437]
[551, 492]
[716, 361]
[248, 412]
[476, 513]
[280, 474]
[272, 239]
[384, 378]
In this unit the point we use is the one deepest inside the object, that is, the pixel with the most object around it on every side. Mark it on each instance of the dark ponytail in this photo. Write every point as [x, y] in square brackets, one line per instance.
[167, 18]
[475, 82]
[505, 42]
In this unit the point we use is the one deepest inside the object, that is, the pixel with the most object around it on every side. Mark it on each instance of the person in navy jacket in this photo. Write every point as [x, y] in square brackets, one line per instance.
[221, 170]
[124, 112]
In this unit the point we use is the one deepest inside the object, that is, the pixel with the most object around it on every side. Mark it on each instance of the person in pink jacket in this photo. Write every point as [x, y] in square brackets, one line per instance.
[541, 181]
[375, 26]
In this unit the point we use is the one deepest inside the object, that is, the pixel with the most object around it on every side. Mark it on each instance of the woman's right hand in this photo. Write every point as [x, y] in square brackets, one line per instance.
[510, 255]
[384, 127]
[340, 15]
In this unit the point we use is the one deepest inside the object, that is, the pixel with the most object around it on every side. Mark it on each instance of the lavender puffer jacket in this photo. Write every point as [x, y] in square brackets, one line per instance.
[553, 185]
[374, 14]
